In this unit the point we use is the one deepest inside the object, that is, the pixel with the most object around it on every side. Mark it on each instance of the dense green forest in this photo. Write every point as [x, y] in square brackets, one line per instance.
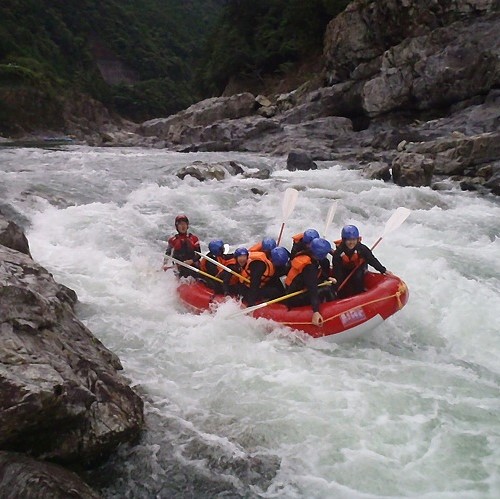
[175, 51]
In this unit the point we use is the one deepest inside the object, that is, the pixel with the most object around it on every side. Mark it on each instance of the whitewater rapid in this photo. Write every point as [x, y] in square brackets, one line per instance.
[244, 408]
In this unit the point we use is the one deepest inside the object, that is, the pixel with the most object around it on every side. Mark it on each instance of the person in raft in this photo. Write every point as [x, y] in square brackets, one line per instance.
[266, 245]
[260, 270]
[183, 246]
[216, 252]
[309, 268]
[230, 282]
[302, 241]
[350, 254]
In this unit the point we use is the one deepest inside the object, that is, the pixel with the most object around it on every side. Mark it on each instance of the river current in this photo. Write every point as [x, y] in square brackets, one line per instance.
[245, 408]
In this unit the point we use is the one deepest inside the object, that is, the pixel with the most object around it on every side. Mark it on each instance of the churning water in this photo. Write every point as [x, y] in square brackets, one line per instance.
[244, 408]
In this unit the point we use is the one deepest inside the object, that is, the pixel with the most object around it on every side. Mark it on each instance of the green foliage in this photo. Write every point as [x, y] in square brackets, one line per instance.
[257, 37]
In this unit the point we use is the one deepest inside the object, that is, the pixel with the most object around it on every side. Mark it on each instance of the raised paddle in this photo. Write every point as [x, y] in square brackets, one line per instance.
[287, 207]
[329, 217]
[249, 310]
[194, 269]
[222, 266]
[397, 218]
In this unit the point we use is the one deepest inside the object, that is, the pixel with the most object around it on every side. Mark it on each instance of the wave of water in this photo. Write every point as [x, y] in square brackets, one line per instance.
[244, 408]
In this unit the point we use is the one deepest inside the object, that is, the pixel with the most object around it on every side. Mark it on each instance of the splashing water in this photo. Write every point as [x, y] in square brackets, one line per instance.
[245, 408]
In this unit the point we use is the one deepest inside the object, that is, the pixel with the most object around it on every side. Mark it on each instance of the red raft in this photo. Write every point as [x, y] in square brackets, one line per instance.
[348, 318]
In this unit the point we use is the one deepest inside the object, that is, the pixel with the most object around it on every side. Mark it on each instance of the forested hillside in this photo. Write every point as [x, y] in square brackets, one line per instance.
[145, 58]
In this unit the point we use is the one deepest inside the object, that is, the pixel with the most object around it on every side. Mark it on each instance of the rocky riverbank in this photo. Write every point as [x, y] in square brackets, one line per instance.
[61, 396]
[412, 93]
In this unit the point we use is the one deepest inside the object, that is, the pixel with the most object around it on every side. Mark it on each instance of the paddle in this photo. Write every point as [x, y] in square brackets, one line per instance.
[194, 269]
[249, 310]
[397, 218]
[329, 217]
[287, 207]
[222, 266]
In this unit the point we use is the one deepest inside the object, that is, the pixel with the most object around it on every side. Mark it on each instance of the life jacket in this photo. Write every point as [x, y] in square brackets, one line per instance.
[223, 259]
[299, 263]
[353, 261]
[183, 244]
[298, 238]
[255, 247]
[268, 273]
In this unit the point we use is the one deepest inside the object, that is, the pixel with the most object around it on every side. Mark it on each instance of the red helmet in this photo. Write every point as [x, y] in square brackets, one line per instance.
[181, 218]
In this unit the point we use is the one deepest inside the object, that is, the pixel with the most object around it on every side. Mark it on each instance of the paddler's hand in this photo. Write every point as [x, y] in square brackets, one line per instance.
[317, 319]
[332, 280]
[189, 262]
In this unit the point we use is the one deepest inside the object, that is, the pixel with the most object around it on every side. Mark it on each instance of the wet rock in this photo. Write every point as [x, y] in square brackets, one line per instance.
[300, 160]
[23, 477]
[61, 396]
[218, 171]
[412, 169]
[267, 112]
[12, 236]
[378, 171]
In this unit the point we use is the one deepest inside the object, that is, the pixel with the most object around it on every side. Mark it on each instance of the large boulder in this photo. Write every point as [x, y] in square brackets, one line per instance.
[200, 114]
[61, 396]
[300, 160]
[23, 477]
[410, 169]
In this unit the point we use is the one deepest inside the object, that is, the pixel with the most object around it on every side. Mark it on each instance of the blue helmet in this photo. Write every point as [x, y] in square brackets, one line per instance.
[216, 247]
[309, 235]
[268, 244]
[350, 232]
[280, 256]
[240, 251]
[320, 248]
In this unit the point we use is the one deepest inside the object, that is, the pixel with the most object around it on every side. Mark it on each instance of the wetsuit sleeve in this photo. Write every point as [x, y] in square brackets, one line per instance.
[325, 268]
[337, 265]
[257, 270]
[370, 259]
[170, 247]
[226, 280]
[310, 275]
[196, 247]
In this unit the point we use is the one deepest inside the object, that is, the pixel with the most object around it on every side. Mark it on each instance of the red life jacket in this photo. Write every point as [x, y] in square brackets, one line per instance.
[177, 242]
[350, 262]
[299, 263]
[258, 256]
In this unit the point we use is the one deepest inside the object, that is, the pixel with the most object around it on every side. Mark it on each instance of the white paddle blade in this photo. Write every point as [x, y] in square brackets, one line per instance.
[329, 217]
[248, 310]
[289, 201]
[398, 217]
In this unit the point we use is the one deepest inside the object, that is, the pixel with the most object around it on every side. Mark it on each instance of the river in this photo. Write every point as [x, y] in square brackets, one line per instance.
[244, 408]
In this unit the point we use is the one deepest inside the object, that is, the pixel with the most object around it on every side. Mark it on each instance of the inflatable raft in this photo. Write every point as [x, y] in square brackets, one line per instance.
[348, 318]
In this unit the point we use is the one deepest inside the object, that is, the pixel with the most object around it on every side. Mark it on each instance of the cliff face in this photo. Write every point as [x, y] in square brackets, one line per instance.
[61, 396]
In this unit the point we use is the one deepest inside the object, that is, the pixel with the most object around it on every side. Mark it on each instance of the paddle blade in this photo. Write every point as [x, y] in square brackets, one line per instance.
[397, 218]
[289, 201]
[329, 217]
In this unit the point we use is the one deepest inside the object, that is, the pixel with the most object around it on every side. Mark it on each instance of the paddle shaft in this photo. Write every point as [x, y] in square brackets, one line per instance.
[281, 233]
[222, 266]
[276, 300]
[194, 269]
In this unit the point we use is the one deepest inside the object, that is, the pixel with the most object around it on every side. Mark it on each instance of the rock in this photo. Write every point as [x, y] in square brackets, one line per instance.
[493, 183]
[200, 114]
[378, 171]
[267, 112]
[61, 397]
[259, 192]
[13, 237]
[300, 160]
[411, 169]
[218, 171]
[263, 101]
[21, 476]
[401, 146]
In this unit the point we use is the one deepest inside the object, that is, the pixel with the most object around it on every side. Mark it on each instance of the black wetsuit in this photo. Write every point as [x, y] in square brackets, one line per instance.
[341, 270]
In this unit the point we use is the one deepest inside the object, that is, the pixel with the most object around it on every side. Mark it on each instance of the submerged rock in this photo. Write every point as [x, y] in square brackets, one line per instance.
[300, 160]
